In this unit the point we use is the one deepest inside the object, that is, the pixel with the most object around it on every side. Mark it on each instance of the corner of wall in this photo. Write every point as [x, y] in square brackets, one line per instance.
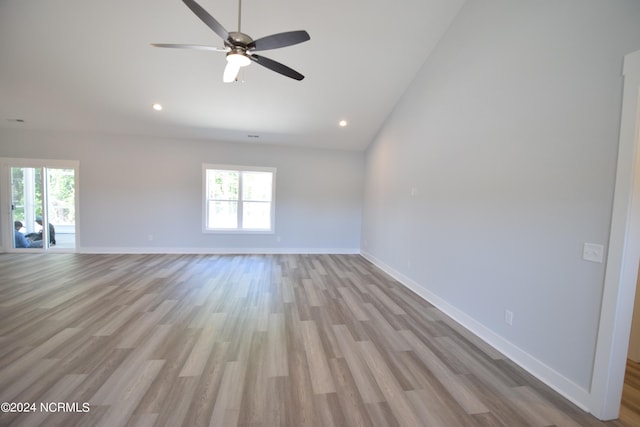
[562, 385]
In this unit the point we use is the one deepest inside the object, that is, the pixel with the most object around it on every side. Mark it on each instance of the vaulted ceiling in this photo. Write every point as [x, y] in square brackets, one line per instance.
[87, 65]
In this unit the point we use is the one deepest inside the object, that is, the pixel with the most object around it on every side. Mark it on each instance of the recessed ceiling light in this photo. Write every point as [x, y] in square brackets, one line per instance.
[342, 123]
[157, 107]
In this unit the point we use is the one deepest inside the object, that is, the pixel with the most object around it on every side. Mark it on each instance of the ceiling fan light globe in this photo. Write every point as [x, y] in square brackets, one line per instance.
[230, 73]
[238, 59]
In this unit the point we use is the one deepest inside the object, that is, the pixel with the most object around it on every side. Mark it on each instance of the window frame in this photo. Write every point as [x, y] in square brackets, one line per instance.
[240, 169]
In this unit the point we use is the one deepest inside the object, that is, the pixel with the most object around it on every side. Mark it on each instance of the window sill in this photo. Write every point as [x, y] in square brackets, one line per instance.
[226, 231]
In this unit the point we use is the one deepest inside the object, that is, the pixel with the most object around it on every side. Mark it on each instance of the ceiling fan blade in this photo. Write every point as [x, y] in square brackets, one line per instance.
[207, 19]
[276, 66]
[230, 72]
[190, 46]
[276, 41]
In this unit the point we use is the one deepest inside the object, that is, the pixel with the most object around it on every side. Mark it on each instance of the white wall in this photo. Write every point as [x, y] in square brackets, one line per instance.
[509, 137]
[131, 187]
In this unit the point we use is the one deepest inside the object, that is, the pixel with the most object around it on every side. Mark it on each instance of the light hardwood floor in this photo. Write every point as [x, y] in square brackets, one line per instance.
[250, 340]
[630, 408]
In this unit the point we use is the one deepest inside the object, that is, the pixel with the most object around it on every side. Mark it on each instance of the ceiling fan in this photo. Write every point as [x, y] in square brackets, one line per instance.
[240, 47]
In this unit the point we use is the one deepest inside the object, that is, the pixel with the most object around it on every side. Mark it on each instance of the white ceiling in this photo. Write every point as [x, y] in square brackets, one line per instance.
[86, 65]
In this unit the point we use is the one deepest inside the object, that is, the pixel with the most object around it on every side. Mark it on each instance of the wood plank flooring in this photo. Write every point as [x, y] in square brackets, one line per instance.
[246, 340]
[630, 407]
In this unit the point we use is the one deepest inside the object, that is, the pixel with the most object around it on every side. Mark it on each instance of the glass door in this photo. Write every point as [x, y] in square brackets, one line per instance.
[60, 184]
[43, 208]
[27, 206]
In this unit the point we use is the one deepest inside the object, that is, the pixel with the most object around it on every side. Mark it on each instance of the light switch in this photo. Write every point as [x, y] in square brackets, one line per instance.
[593, 252]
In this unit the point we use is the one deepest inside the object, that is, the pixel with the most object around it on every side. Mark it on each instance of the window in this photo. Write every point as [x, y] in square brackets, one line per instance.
[239, 198]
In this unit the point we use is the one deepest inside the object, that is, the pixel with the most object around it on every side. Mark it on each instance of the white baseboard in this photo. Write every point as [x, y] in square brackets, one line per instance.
[565, 387]
[215, 251]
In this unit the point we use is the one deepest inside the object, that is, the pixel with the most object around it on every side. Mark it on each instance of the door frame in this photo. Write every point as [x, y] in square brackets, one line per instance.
[623, 256]
[6, 239]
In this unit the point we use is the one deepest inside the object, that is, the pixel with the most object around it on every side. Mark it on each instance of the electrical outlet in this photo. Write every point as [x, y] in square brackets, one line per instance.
[508, 317]
[150, 237]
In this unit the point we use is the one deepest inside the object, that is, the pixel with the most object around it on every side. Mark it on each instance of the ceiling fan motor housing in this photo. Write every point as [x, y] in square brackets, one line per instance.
[237, 39]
